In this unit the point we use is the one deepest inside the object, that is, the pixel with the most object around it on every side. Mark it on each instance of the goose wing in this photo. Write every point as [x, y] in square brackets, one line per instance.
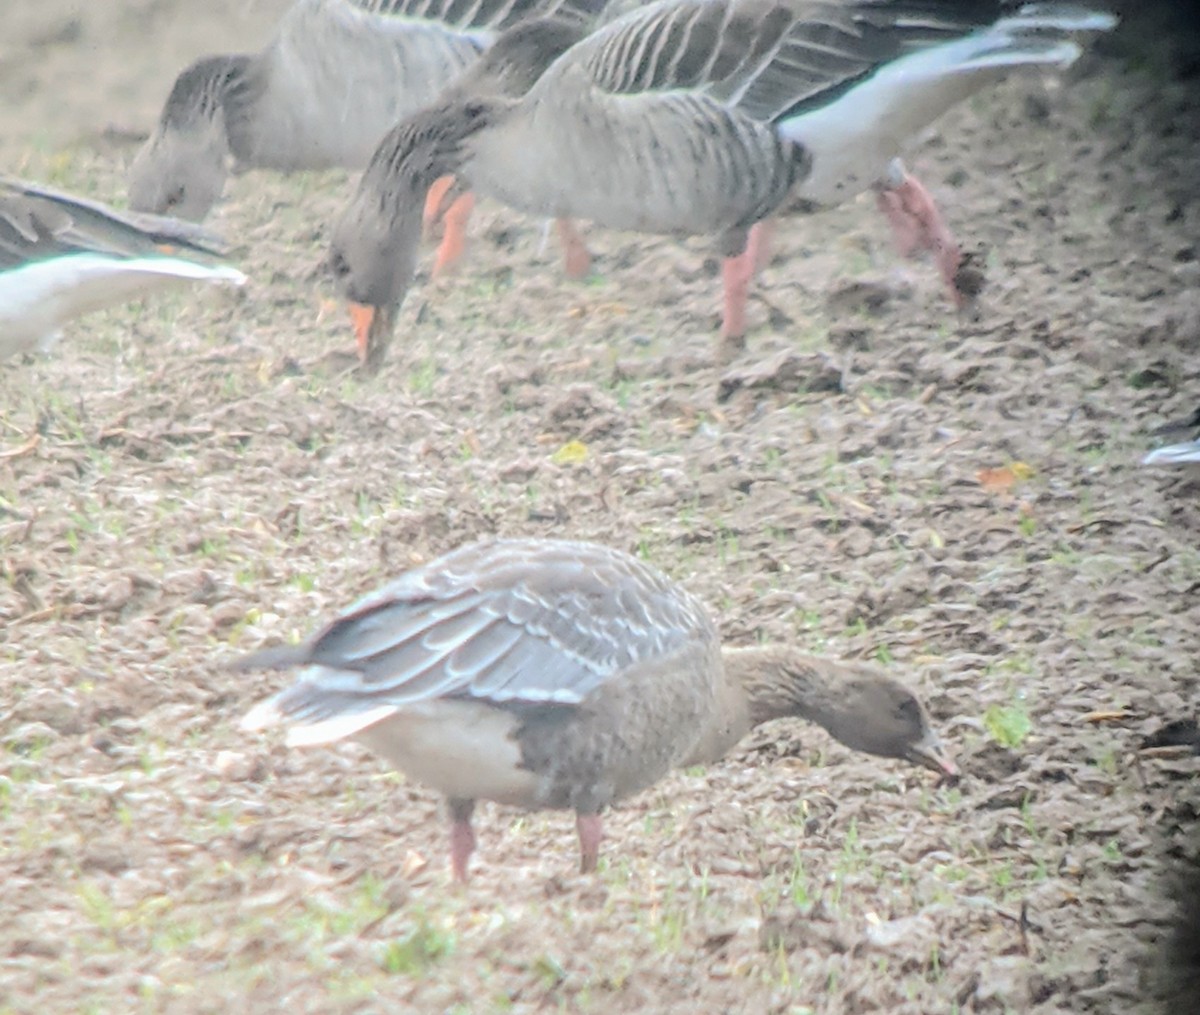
[509, 621]
[38, 221]
[772, 59]
[476, 15]
[714, 47]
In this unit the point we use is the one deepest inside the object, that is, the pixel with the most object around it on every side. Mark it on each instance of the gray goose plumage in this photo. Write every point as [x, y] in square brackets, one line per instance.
[563, 675]
[63, 256]
[1184, 453]
[332, 80]
[701, 117]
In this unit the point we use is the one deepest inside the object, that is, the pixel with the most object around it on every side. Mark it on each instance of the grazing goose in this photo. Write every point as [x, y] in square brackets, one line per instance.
[564, 675]
[335, 76]
[507, 70]
[701, 117]
[63, 256]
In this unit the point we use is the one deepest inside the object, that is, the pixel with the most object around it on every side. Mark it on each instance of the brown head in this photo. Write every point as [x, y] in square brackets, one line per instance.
[182, 168]
[864, 708]
[879, 715]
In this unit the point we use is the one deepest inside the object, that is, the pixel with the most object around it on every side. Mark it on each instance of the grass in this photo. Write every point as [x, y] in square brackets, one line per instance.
[321, 877]
[1009, 725]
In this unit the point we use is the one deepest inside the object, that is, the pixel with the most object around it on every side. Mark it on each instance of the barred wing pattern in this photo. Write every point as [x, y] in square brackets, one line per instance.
[665, 80]
[508, 622]
[769, 59]
[493, 15]
[712, 46]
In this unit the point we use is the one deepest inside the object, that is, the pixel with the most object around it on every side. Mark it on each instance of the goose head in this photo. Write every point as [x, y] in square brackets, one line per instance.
[373, 252]
[179, 172]
[182, 168]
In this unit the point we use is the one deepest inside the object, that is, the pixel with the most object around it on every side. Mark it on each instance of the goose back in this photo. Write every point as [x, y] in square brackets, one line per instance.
[339, 73]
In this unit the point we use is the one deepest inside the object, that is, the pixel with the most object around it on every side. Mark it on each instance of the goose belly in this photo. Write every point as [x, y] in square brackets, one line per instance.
[462, 749]
[561, 760]
[618, 742]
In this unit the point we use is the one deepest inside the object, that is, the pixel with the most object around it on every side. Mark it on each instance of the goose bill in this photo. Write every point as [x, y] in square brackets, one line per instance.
[930, 753]
[373, 329]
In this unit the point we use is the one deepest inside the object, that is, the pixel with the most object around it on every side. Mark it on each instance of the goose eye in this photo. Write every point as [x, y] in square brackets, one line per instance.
[338, 264]
[174, 198]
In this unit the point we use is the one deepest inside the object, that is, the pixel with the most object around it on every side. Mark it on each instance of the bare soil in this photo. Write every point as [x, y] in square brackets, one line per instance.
[872, 477]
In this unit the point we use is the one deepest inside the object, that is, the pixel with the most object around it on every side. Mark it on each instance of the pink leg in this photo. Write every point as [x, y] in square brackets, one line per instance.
[462, 838]
[591, 830]
[434, 197]
[454, 236]
[736, 275]
[759, 242]
[577, 262]
[906, 230]
[918, 225]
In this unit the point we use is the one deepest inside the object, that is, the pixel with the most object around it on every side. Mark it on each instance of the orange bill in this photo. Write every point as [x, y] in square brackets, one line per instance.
[362, 316]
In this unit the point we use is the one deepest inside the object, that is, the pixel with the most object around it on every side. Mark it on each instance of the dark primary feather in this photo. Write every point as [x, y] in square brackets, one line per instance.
[1183, 425]
[839, 44]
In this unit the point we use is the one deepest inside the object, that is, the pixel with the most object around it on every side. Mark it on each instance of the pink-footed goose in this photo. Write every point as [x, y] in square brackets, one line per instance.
[63, 256]
[550, 674]
[336, 75]
[701, 117]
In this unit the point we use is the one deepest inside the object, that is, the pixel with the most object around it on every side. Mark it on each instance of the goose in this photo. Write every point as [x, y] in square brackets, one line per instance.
[700, 117]
[63, 256]
[507, 69]
[331, 81]
[552, 674]
[1183, 453]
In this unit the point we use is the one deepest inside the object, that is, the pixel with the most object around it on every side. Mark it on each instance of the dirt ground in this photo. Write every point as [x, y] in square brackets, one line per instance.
[874, 478]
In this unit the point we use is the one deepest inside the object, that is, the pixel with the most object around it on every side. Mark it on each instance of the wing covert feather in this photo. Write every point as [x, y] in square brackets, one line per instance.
[510, 621]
